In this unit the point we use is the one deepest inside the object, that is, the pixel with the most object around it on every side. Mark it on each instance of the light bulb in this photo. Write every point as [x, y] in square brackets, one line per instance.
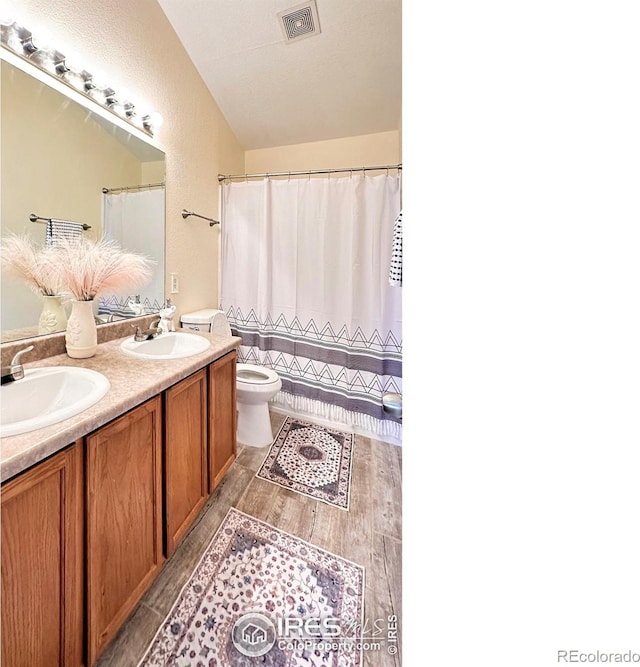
[99, 79]
[41, 39]
[156, 119]
[72, 61]
[147, 121]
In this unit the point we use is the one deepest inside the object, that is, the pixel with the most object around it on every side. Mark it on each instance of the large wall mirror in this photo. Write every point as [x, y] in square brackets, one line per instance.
[57, 159]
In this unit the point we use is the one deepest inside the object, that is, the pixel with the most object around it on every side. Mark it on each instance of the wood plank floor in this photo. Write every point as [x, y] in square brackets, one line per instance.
[370, 534]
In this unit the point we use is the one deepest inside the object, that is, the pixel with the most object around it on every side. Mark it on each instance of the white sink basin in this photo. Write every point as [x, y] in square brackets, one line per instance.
[170, 345]
[47, 396]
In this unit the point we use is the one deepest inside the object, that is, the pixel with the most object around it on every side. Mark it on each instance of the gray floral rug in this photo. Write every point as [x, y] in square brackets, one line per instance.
[262, 596]
[312, 460]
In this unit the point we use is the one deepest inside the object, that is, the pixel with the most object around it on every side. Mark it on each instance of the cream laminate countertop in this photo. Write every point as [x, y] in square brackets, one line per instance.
[133, 381]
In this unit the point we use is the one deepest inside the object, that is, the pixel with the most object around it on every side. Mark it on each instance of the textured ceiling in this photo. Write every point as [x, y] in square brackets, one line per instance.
[342, 82]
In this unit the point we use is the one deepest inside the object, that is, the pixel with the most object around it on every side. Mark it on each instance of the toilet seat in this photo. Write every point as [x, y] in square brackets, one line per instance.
[250, 374]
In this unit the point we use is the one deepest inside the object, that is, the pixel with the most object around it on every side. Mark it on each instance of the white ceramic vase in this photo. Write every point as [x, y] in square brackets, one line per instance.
[52, 318]
[82, 334]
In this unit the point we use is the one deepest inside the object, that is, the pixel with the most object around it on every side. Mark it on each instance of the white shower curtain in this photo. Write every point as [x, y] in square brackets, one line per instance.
[136, 221]
[305, 266]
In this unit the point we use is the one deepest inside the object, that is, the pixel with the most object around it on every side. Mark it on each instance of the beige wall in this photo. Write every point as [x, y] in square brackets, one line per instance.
[361, 151]
[152, 172]
[136, 48]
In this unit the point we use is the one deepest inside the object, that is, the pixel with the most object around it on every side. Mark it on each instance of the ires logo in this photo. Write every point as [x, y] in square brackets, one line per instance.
[307, 628]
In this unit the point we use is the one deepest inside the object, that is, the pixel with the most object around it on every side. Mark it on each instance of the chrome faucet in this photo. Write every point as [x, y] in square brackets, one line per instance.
[149, 333]
[15, 370]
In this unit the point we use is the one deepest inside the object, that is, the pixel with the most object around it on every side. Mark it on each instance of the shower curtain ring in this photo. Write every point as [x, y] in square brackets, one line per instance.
[289, 178]
[363, 171]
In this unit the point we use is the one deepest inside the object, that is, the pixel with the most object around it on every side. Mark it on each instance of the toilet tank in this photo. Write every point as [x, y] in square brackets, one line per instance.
[209, 320]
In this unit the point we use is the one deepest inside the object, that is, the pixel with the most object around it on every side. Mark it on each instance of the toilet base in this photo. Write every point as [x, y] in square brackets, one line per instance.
[254, 424]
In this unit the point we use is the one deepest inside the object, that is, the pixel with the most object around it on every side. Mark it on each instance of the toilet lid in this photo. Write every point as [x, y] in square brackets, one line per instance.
[252, 374]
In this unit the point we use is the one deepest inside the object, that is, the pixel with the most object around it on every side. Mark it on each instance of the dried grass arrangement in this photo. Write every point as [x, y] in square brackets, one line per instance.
[22, 259]
[86, 268]
[75, 268]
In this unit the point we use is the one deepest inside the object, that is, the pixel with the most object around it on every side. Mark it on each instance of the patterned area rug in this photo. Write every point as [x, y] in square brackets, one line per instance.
[312, 460]
[262, 596]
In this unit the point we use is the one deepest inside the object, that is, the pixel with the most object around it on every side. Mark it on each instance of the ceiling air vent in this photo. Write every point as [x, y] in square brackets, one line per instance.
[300, 21]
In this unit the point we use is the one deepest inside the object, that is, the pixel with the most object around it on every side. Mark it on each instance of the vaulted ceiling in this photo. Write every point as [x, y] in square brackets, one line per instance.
[345, 80]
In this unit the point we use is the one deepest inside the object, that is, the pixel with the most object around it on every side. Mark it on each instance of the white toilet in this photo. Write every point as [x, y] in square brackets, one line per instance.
[255, 385]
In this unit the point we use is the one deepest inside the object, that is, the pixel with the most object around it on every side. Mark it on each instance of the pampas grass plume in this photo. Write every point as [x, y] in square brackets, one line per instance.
[87, 268]
[21, 259]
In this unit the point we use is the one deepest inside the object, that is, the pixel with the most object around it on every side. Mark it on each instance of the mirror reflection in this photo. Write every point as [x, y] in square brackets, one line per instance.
[60, 161]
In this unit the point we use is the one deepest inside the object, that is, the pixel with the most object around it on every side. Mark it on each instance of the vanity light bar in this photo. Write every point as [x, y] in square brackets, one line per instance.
[26, 45]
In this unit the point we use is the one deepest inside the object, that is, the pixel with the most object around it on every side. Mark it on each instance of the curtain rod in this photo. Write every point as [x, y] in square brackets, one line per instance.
[222, 177]
[106, 191]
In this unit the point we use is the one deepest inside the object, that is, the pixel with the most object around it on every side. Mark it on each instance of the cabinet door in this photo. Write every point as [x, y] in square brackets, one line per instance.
[185, 455]
[42, 575]
[222, 417]
[124, 518]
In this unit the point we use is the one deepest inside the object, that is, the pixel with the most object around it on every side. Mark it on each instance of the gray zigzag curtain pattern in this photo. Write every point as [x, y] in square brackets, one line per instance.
[305, 284]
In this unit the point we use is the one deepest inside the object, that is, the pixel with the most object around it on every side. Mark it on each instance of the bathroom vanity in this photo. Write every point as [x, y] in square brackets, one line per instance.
[93, 506]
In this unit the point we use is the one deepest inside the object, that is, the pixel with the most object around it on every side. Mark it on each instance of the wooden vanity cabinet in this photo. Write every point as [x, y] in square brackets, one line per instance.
[199, 443]
[222, 417]
[124, 518]
[42, 564]
[83, 531]
[185, 456]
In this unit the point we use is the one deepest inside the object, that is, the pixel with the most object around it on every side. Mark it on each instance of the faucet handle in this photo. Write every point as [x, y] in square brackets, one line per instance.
[17, 355]
[15, 370]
